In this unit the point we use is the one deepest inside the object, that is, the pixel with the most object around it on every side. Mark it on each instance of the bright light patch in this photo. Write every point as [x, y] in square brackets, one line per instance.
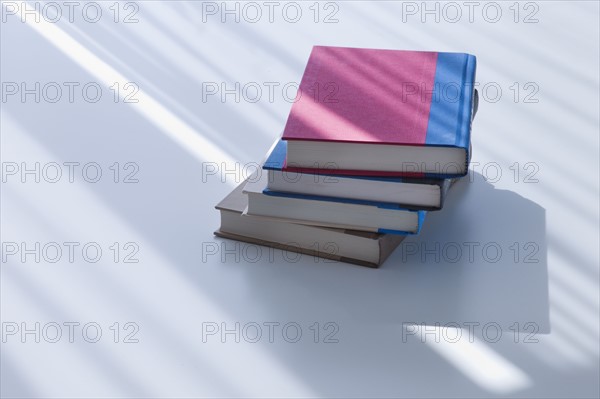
[178, 130]
[475, 359]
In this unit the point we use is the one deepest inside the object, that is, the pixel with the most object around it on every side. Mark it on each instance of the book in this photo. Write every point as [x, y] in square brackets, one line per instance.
[356, 247]
[330, 212]
[411, 193]
[383, 112]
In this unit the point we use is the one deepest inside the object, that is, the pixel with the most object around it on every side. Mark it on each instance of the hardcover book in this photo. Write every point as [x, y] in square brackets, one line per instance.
[411, 193]
[350, 246]
[330, 212]
[383, 112]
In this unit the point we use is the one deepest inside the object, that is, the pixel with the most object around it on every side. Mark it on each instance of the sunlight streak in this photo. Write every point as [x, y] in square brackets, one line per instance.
[475, 360]
[179, 131]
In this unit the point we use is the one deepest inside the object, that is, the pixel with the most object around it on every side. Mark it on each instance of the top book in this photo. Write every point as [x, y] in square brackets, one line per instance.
[382, 112]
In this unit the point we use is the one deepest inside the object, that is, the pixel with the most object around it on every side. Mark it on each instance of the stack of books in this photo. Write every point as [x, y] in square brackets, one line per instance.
[372, 143]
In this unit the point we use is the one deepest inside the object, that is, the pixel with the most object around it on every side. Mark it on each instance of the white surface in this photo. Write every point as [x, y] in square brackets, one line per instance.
[177, 285]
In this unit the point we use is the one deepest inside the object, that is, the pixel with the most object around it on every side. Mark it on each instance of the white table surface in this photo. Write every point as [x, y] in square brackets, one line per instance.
[186, 281]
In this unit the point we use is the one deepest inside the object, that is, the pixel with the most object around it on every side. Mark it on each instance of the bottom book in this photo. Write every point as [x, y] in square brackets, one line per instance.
[350, 246]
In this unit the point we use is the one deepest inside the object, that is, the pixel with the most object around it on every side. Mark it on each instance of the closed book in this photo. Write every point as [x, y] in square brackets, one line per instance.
[330, 212]
[410, 193]
[383, 112]
[350, 246]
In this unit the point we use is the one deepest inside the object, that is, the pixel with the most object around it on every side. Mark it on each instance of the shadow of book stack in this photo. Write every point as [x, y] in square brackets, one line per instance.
[373, 142]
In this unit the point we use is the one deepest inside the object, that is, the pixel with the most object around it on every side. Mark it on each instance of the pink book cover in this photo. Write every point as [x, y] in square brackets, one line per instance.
[363, 96]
